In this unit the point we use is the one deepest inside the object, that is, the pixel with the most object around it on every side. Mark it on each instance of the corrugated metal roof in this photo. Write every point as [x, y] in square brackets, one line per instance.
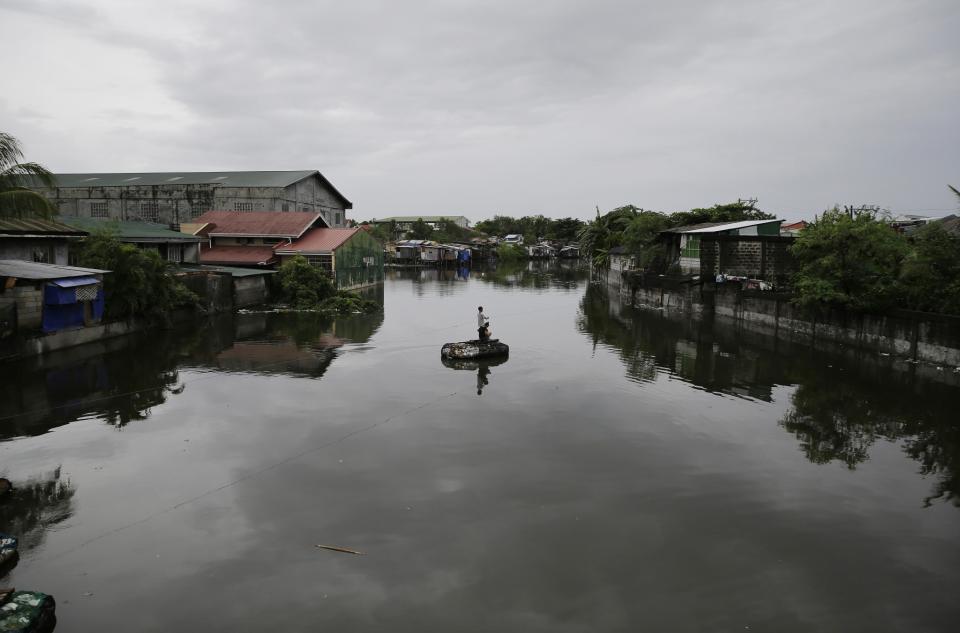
[238, 255]
[236, 272]
[127, 230]
[259, 223]
[34, 270]
[223, 178]
[318, 241]
[37, 226]
[728, 226]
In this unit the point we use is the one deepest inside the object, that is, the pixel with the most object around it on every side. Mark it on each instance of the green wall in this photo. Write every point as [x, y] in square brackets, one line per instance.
[351, 270]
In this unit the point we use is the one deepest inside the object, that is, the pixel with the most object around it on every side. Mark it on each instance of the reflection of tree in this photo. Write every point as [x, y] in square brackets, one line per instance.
[539, 274]
[838, 417]
[33, 506]
[119, 382]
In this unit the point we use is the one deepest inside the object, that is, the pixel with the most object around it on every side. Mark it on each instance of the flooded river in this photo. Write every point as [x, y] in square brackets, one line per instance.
[622, 470]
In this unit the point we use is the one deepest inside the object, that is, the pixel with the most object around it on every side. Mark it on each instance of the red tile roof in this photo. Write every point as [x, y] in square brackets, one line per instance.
[259, 223]
[238, 255]
[318, 241]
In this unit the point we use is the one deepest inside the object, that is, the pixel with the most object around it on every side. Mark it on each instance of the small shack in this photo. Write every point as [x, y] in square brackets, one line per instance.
[683, 242]
[48, 297]
[37, 240]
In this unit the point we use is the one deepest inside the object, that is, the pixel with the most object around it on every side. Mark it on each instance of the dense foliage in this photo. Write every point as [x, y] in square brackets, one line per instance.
[16, 198]
[303, 286]
[860, 263]
[140, 283]
[532, 227]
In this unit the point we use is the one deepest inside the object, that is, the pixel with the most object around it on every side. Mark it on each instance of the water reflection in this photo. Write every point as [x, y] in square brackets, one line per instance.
[122, 379]
[535, 274]
[35, 506]
[841, 406]
[650, 342]
[838, 416]
[481, 366]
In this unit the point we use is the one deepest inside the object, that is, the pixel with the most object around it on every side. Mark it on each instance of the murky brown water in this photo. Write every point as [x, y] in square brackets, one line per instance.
[621, 471]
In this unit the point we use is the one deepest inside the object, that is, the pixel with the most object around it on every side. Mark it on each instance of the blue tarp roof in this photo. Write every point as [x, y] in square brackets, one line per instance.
[75, 281]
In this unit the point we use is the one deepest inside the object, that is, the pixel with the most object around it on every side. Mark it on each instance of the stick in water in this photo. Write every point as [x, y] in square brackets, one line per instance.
[334, 548]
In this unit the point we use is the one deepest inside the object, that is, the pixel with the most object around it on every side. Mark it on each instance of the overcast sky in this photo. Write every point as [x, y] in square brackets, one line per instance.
[495, 106]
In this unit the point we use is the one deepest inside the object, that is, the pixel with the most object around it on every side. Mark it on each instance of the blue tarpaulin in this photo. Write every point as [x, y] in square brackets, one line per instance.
[61, 307]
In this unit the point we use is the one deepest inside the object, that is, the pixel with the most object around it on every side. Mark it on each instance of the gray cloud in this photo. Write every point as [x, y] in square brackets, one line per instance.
[479, 108]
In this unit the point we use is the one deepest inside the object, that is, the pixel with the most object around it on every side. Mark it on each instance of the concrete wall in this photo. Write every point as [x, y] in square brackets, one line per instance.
[915, 336]
[176, 203]
[23, 249]
[250, 291]
[756, 257]
[29, 302]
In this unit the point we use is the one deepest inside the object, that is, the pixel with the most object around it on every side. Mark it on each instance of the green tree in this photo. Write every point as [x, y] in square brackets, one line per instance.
[420, 230]
[930, 276]
[847, 262]
[642, 237]
[732, 212]
[17, 199]
[140, 283]
[605, 232]
[304, 286]
[565, 229]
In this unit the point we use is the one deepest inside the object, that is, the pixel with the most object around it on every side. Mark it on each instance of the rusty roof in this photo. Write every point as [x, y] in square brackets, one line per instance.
[290, 224]
[318, 241]
[38, 226]
[256, 255]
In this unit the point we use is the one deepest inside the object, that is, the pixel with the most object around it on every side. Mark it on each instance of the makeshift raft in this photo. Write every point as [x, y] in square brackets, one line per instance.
[27, 612]
[474, 349]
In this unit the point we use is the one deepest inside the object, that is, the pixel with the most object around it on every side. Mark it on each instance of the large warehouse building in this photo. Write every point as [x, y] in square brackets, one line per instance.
[179, 197]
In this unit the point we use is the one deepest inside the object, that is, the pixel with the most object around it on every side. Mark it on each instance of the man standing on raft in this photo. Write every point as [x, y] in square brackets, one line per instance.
[482, 321]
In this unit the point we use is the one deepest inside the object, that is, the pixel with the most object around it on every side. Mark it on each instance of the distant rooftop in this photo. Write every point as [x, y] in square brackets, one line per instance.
[132, 231]
[414, 218]
[38, 226]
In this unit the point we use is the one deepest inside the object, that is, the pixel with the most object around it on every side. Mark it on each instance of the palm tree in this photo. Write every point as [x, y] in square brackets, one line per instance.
[17, 199]
[954, 190]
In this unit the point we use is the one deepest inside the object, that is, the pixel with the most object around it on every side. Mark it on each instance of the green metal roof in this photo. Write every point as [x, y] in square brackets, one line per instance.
[37, 226]
[130, 231]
